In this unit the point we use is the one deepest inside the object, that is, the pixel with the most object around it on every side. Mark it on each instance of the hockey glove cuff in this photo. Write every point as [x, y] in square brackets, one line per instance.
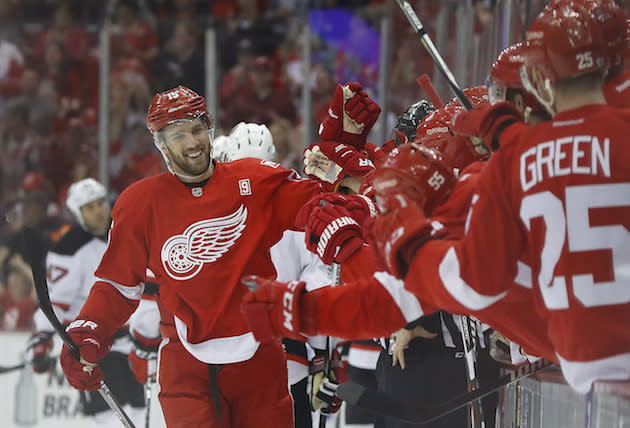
[88, 336]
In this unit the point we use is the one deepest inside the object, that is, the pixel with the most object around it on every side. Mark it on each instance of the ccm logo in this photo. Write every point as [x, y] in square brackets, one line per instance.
[82, 323]
[287, 305]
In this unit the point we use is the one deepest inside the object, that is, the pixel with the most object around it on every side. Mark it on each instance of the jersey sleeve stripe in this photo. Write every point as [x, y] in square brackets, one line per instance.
[408, 304]
[131, 292]
[450, 275]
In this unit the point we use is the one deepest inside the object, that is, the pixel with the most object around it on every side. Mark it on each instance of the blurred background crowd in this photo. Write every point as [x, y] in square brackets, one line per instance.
[49, 90]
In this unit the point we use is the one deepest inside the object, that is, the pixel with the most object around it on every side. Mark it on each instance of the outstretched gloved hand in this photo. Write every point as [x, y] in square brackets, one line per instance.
[351, 116]
[272, 308]
[331, 162]
[486, 122]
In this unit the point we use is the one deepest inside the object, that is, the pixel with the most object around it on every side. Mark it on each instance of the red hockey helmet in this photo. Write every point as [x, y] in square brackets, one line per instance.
[417, 172]
[613, 24]
[571, 40]
[506, 74]
[477, 95]
[435, 132]
[174, 105]
[565, 40]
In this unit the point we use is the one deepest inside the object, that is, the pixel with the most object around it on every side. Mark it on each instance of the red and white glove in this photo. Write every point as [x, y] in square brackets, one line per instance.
[399, 232]
[143, 356]
[38, 350]
[324, 387]
[331, 162]
[351, 116]
[272, 308]
[486, 122]
[331, 233]
[360, 207]
[85, 375]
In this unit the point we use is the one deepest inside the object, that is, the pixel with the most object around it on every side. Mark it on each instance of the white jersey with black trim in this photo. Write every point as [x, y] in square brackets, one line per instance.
[70, 267]
[293, 261]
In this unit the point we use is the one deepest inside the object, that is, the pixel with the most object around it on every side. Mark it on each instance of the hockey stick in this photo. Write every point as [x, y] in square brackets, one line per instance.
[425, 83]
[469, 341]
[389, 406]
[148, 387]
[4, 369]
[336, 279]
[35, 253]
[8, 369]
[430, 47]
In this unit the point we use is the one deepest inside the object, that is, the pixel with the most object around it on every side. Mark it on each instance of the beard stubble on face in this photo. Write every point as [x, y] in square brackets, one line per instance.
[191, 167]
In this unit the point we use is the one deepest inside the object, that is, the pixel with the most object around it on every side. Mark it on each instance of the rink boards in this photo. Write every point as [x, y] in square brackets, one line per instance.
[55, 403]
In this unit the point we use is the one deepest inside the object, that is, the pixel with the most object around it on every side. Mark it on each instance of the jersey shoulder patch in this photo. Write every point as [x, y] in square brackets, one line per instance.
[72, 241]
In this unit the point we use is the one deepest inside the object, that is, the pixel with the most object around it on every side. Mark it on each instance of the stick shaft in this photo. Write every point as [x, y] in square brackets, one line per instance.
[435, 54]
[335, 279]
[425, 83]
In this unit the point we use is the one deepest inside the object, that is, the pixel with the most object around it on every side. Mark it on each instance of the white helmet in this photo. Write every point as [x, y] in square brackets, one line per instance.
[220, 147]
[81, 193]
[250, 140]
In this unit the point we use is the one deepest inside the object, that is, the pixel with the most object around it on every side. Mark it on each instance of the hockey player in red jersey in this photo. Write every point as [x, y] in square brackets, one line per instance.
[519, 210]
[199, 229]
[553, 193]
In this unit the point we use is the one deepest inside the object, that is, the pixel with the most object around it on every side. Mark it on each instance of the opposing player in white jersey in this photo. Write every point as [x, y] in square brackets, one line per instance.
[70, 269]
[291, 260]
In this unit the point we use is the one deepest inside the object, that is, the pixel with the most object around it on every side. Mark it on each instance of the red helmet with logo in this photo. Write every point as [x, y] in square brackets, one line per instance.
[565, 40]
[417, 172]
[435, 132]
[570, 39]
[174, 105]
[613, 24]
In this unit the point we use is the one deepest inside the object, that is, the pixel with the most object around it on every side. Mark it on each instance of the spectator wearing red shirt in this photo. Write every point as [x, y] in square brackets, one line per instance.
[262, 100]
[17, 300]
[65, 30]
[135, 39]
[140, 159]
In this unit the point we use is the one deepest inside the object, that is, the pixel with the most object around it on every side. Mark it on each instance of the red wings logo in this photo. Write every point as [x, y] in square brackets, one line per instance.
[206, 241]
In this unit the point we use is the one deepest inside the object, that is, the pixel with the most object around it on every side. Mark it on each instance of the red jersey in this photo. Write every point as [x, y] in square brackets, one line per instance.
[558, 195]
[199, 242]
[617, 90]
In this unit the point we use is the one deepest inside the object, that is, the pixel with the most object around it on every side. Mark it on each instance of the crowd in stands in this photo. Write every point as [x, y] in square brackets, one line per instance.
[49, 98]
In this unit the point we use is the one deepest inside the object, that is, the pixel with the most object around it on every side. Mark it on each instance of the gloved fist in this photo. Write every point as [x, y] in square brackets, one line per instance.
[88, 336]
[273, 308]
[38, 350]
[143, 357]
[331, 162]
[360, 207]
[351, 116]
[331, 232]
[324, 386]
[399, 232]
[486, 122]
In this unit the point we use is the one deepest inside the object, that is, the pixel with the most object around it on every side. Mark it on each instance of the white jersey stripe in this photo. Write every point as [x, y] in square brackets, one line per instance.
[457, 287]
[408, 304]
[131, 292]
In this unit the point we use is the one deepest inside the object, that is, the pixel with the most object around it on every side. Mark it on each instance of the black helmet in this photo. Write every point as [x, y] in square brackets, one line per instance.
[407, 122]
